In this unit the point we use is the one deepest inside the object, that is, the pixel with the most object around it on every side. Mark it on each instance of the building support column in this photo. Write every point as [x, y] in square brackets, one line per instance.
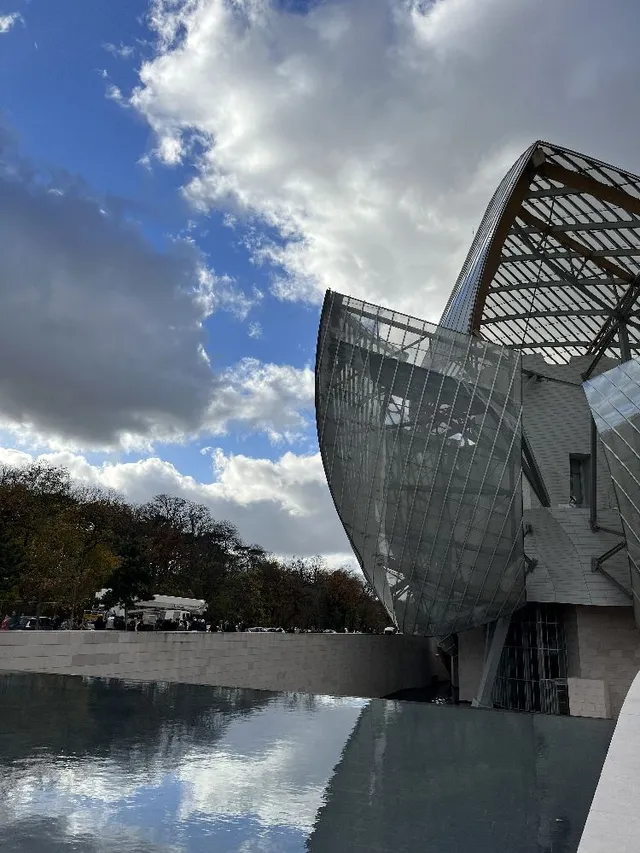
[623, 340]
[491, 663]
[593, 485]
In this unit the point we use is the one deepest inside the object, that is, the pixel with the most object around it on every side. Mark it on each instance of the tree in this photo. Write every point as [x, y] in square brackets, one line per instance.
[130, 580]
[11, 561]
[61, 543]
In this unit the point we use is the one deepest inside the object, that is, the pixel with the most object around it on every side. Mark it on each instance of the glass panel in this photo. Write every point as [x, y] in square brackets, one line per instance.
[420, 435]
[614, 398]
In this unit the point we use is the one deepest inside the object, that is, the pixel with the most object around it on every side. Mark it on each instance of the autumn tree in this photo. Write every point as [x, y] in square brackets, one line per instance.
[130, 579]
[62, 543]
[11, 560]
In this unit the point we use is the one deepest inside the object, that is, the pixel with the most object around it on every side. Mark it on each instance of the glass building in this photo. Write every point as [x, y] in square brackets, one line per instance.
[463, 458]
[421, 434]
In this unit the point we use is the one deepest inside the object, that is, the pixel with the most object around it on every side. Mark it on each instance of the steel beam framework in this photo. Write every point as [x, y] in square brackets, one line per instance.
[562, 213]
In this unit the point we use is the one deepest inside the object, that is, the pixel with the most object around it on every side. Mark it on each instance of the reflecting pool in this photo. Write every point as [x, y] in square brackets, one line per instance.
[103, 766]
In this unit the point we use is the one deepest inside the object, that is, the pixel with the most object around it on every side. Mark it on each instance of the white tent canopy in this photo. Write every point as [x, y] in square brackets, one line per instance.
[173, 602]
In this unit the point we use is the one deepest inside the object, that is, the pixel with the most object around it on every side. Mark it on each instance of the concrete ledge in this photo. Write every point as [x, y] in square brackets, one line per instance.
[613, 823]
[337, 664]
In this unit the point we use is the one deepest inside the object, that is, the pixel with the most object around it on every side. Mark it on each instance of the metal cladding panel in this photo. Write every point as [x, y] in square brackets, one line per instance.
[614, 398]
[420, 434]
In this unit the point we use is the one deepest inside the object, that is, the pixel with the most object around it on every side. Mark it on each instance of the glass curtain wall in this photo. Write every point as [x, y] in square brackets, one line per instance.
[614, 398]
[420, 434]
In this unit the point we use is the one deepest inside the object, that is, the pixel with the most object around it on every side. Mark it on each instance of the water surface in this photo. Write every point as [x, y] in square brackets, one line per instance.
[104, 766]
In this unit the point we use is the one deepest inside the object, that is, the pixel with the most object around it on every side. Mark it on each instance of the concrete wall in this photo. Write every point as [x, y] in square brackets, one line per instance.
[337, 664]
[563, 544]
[613, 823]
[607, 658]
[471, 646]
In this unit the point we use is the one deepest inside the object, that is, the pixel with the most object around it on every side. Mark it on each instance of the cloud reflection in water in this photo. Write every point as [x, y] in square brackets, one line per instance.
[243, 770]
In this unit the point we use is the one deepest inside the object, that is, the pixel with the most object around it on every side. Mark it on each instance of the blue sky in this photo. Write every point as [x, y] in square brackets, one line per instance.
[183, 179]
[63, 119]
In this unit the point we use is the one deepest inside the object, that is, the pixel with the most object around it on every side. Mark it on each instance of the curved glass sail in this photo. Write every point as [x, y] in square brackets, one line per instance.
[614, 399]
[459, 308]
[556, 244]
[420, 434]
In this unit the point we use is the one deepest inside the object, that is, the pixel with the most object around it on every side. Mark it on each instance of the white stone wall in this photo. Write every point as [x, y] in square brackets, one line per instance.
[613, 823]
[336, 664]
[603, 658]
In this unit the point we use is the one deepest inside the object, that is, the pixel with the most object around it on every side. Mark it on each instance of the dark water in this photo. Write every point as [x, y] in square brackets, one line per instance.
[108, 766]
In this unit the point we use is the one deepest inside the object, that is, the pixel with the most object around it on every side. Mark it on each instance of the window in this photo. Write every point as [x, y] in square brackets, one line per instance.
[532, 674]
[579, 465]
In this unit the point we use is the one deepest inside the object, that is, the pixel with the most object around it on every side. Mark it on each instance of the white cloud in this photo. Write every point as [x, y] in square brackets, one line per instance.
[102, 345]
[9, 21]
[222, 291]
[255, 330]
[123, 51]
[371, 134]
[114, 93]
[284, 506]
[291, 482]
[263, 397]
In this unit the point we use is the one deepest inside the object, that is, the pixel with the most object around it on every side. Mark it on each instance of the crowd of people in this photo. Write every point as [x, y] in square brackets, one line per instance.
[117, 622]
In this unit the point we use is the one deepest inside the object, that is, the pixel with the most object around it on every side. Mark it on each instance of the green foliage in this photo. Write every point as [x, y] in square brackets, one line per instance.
[60, 543]
[130, 580]
[11, 562]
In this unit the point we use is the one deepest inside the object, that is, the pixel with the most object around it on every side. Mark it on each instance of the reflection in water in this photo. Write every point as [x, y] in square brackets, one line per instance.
[104, 766]
[112, 766]
[424, 777]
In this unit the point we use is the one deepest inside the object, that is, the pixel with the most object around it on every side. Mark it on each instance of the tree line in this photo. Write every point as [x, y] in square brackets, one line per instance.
[61, 542]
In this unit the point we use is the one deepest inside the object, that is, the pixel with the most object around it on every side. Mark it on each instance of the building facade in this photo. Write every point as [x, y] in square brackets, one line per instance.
[486, 469]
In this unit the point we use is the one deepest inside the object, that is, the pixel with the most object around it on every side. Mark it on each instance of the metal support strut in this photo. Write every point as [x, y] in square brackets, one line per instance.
[596, 566]
[491, 663]
[593, 495]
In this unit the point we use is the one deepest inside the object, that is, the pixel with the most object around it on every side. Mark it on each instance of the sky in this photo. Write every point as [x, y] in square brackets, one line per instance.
[181, 181]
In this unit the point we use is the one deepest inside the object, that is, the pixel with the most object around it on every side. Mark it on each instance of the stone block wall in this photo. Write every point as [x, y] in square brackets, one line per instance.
[336, 664]
[603, 658]
[608, 651]
[589, 697]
